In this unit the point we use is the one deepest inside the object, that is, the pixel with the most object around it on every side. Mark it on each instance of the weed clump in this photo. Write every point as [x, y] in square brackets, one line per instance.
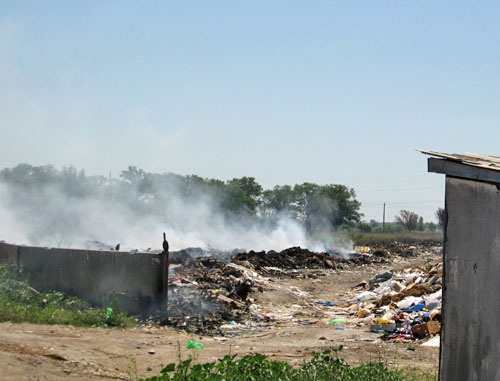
[21, 303]
[325, 366]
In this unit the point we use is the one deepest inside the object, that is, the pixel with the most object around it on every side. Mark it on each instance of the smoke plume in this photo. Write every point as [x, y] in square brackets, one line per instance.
[69, 209]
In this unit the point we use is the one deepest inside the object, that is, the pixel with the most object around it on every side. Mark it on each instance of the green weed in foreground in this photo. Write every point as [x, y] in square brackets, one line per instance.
[323, 366]
[20, 303]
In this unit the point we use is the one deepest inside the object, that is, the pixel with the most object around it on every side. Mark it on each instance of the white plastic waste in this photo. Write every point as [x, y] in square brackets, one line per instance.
[366, 295]
[409, 301]
[434, 342]
[433, 301]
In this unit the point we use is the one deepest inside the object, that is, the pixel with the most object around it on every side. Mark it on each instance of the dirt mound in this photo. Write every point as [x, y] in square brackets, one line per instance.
[296, 258]
[179, 257]
[292, 258]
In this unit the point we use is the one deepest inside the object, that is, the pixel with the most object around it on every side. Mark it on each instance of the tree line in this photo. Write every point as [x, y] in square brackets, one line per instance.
[318, 207]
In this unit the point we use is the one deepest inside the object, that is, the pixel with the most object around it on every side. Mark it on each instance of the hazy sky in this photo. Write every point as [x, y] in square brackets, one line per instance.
[285, 91]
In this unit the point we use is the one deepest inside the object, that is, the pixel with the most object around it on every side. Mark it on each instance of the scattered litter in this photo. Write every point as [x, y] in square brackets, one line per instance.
[335, 321]
[382, 277]
[220, 295]
[434, 342]
[402, 305]
[109, 313]
[191, 344]
[416, 308]
[327, 304]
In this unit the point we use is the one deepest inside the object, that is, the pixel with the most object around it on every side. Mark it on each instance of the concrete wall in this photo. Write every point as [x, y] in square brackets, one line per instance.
[8, 253]
[470, 341]
[136, 279]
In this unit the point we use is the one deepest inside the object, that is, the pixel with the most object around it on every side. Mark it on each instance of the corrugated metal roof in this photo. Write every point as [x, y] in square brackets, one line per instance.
[472, 159]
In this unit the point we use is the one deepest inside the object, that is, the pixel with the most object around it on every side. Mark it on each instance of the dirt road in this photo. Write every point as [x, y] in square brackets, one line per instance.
[299, 329]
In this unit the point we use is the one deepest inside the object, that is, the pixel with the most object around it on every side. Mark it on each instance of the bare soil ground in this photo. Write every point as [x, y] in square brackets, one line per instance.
[300, 329]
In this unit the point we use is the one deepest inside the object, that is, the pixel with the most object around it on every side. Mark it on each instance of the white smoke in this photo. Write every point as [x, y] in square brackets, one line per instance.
[44, 215]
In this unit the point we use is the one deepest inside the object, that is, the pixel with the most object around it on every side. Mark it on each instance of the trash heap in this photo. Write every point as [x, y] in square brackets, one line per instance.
[184, 255]
[205, 293]
[295, 261]
[216, 295]
[403, 305]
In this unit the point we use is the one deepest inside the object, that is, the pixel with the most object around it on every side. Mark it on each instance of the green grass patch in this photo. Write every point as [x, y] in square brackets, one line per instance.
[21, 303]
[323, 366]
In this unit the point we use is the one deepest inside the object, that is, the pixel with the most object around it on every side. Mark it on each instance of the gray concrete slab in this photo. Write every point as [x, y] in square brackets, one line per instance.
[135, 279]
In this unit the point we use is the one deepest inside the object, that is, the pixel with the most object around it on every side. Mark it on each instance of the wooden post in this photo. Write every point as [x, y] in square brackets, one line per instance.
[165, 289]
[167, 265]
[383, 220]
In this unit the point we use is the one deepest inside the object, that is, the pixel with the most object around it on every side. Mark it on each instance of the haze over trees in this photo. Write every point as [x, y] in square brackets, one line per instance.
[317, 207]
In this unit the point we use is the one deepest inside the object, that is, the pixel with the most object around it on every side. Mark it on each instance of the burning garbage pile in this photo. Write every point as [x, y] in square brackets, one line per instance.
[219, 294]
[205, 293]
[403, 305]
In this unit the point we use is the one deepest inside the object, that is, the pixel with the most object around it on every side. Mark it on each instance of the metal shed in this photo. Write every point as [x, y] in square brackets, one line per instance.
[470, 339]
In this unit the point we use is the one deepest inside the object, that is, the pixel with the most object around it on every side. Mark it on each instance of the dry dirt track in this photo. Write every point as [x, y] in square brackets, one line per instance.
[41, 352]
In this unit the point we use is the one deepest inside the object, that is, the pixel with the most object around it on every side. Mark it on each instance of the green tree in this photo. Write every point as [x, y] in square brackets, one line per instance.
[236, 202]
[326, 206]
[280, 199]
[407, 219]
[431, 226]
[421, 223]
[138, 178]
[28, 175]
[248, 185]
[303, 198]
[365, 227]
[441, 217]
[347, 208]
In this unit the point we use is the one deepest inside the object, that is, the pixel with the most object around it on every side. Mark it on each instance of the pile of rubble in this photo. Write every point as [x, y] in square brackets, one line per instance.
[292, 258]
[215, 295]
[403, 305]
[205, 293]
[185, 255]
[296, 258]
[402, 249]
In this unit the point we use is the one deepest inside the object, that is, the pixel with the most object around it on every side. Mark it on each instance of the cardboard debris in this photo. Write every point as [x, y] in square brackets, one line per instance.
[229, 300]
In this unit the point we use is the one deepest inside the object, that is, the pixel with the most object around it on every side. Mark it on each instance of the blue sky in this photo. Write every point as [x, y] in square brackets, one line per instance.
[285, 91]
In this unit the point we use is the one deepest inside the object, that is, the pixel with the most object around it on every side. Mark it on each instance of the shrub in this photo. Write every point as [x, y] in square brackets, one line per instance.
[21, 303]
[323, 366]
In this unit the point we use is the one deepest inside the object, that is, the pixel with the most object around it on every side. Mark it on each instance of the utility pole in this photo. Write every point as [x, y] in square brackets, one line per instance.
[383, 220]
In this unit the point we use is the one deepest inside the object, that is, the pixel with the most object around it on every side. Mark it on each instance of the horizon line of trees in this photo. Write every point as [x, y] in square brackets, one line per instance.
[405, 221]
[318, 207]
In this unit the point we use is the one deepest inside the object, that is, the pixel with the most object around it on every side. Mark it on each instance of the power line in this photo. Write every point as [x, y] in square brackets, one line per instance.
[403, 203]
[396, 189]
